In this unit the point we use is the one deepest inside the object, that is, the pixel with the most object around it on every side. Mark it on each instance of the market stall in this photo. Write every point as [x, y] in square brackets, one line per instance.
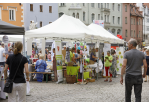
[67, 29]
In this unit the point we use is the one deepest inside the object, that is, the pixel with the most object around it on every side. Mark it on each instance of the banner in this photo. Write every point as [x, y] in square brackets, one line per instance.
[58, 51]
[99, 22]
[107, 47]
[120, 55]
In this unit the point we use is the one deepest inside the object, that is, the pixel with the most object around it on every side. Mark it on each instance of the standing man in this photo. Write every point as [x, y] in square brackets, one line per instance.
[133, 60]
[2, 55]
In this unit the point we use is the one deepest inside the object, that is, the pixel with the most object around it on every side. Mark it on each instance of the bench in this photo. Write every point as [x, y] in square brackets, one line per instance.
[42, 73]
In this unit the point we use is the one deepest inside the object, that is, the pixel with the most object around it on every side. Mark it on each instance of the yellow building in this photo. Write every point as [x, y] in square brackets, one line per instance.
[12, 13]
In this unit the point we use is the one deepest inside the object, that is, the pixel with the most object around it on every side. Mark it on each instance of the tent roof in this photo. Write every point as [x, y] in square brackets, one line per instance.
[9, 29]
[64, 27]
[104, 33]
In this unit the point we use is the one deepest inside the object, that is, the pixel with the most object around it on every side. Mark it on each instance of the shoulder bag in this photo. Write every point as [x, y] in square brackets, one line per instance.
[9, 83]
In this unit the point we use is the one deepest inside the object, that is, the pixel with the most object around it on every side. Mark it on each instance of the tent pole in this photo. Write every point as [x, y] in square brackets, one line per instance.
[24, 46]
[83, 63]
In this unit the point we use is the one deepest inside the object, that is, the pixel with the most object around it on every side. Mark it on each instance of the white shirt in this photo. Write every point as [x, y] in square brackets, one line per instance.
[2, 59]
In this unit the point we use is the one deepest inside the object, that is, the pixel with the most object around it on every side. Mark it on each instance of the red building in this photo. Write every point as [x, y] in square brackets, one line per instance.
[132, 22]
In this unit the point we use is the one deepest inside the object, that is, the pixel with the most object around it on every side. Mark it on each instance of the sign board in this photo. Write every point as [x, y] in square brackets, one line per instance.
[143, 43]
[99, 22]
[58, 50]
[5, 39]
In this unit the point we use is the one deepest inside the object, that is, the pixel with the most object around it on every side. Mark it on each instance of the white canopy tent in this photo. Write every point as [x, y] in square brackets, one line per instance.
[63, 27]
[104, 33]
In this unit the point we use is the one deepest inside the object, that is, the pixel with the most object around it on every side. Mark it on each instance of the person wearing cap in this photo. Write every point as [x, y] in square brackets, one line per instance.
[147, 60]
[2, 55]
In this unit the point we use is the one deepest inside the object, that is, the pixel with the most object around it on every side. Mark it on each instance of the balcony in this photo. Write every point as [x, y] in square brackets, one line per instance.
[105, 10]
[73, 7]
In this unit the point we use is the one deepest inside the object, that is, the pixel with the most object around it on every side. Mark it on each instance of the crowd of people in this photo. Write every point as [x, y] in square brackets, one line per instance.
[134, 62]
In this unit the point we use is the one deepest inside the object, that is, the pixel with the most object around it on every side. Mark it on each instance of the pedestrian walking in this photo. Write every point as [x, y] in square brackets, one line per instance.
[108, 63]
[2, 55]
[147, 60]
[132, 61]
[16, 63]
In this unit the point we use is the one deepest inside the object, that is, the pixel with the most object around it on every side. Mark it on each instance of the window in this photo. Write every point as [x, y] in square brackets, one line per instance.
[108, 18]
[134, 34]
[118, 7]
[113, 31]
[131, 33]
[105, 5]
[50, 22]
[77, 16]
[118, 20]
[135, 10]
[93, 17]
[83, 16]
[98, 5]
[139, 34]
[118, 31]
[108, 5]
[148, 10]
[60, 14]
[125, 20]
[113, 6]
[62, 4]
[40, 24]
[105, 18]
[101, 17]
[148, 20]
[131, 20]
[113, 19]
[12, 14]
[101, 5]
[131, 10]
[50, 9]
[73, 15]
[41, 8]
[126, 33]
[98, 16]
[148, 28]
[0, 14]
[139, 21]
[134, 21]
[31, 7]
[83, 4]
[125, 8]
[92, 5]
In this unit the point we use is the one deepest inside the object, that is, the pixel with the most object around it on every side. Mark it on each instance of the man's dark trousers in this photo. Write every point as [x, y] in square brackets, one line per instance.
[136, 81]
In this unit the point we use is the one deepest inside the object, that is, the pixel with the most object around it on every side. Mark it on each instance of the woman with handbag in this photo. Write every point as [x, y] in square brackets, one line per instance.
[40, 67]
[108, 62]
[16, 81]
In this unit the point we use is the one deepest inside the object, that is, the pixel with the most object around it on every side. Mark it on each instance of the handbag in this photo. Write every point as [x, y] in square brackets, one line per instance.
[9, 83]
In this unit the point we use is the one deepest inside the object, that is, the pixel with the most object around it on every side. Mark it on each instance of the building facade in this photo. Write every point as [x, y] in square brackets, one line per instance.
[87, 12]
[42, 13]
[132, 22]
[12, 13]
[145, 8]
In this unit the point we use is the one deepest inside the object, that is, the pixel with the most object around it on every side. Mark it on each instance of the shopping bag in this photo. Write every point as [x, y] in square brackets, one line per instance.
[27, 87]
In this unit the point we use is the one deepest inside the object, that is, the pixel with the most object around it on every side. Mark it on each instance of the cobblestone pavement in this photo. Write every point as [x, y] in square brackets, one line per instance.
[98, 91]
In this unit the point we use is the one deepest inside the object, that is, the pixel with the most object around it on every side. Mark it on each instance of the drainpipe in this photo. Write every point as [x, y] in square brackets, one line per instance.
[130, 19]
[88, 13]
